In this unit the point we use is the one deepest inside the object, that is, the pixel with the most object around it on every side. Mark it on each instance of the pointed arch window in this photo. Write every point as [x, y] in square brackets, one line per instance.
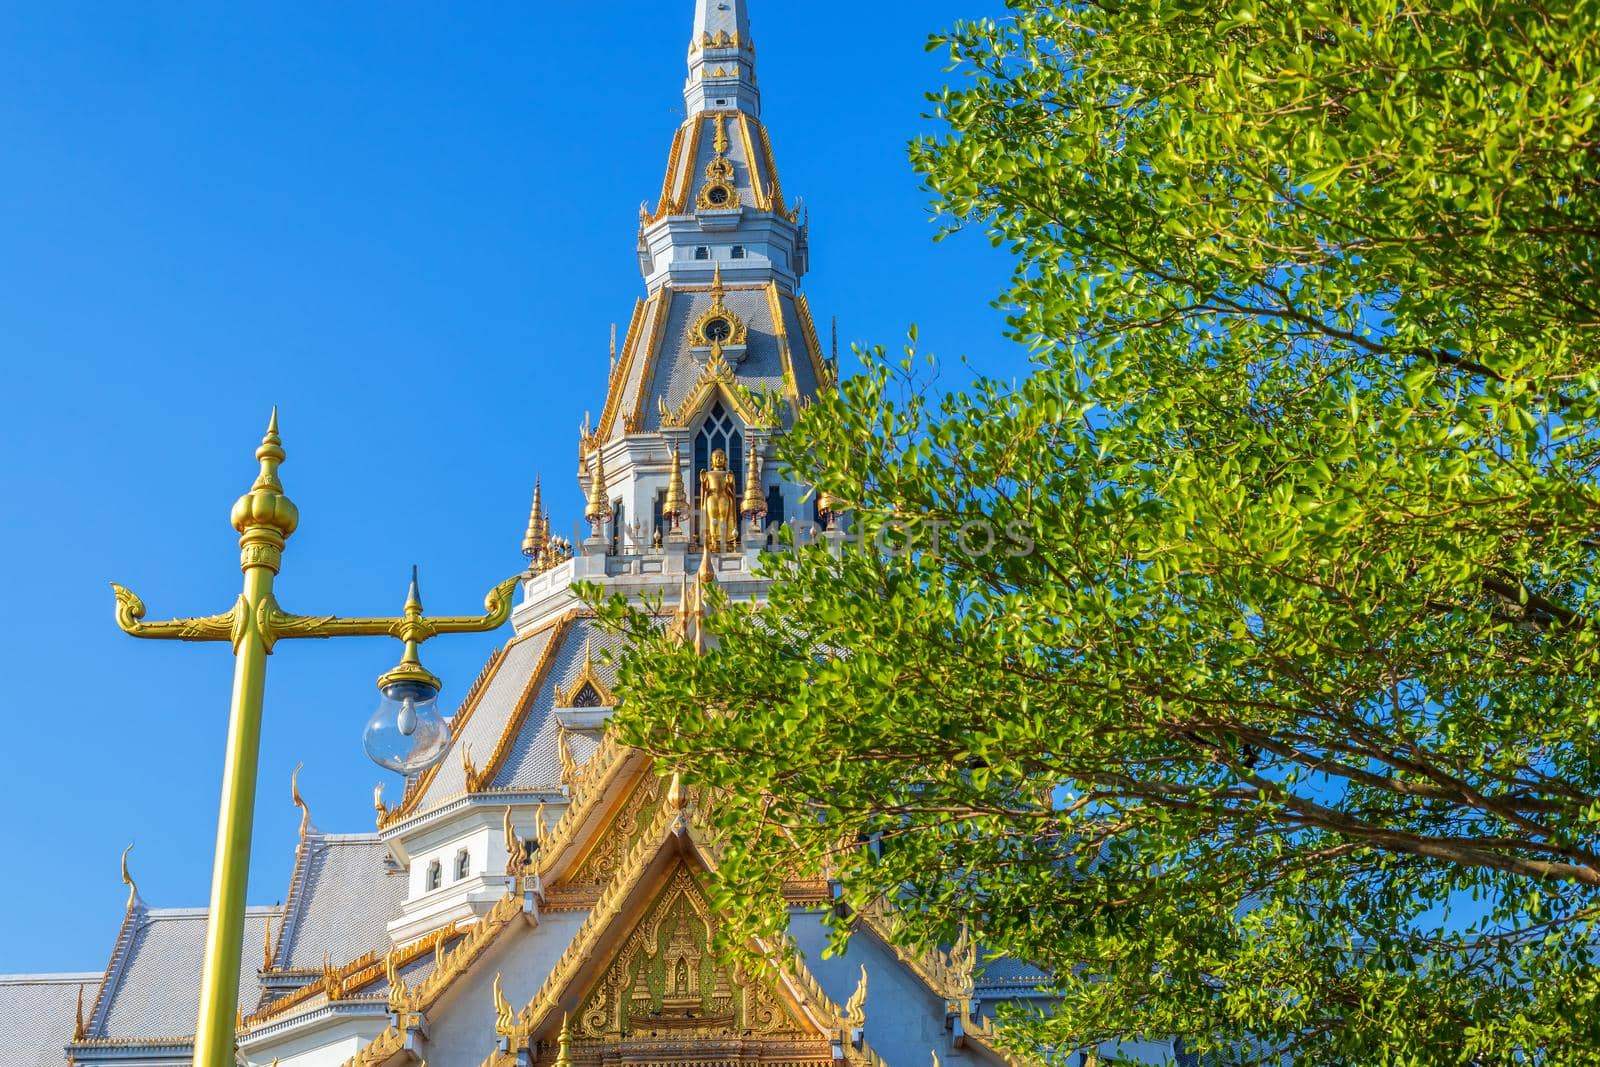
[463, 865]
[774, 507]
[435, 876]
[719, 430]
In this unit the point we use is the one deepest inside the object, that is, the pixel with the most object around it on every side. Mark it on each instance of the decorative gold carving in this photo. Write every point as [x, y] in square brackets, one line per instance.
[516, 850]
[734, 332]
[720, 143]
[80, 1029]
[620, 373]
[611, 848]
[389, 1043]
[588, 675]
[569, 765]
[505, 1019]
[716, 378]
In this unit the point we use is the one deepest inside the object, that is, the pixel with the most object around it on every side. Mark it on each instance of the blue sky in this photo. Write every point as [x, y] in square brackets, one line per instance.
[410, 226]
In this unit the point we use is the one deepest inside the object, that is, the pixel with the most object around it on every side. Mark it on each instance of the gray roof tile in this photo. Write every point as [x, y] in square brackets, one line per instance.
[340, 902]
[37, 1013]
[156, 973]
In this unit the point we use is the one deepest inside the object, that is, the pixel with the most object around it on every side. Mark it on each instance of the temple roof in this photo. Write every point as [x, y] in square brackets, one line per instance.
[37, 1015]
[151, 986]
[343, 892]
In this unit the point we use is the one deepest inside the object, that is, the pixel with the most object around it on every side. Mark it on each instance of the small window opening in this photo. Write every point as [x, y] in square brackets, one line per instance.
[738, 251]
[435, 875]
[463, 865]
[702, 252]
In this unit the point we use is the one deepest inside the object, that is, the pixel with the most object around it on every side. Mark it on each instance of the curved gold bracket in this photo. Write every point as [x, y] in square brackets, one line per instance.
[273, 624]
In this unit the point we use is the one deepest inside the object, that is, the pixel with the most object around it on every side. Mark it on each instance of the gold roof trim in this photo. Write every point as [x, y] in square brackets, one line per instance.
[780, 329]
[508, 736]
[685, 177]
[776, 192]
[469, 705]
[619, 373]
[341, 983]
[808, 327]
[716, 377]
[652, 354]
[664, 201]
[763, 195]
[593, 785]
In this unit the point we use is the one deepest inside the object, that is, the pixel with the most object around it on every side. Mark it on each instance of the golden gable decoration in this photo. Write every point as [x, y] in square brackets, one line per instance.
[667, 978]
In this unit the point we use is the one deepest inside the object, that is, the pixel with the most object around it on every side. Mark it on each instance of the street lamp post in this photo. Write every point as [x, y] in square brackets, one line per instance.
[265, 518]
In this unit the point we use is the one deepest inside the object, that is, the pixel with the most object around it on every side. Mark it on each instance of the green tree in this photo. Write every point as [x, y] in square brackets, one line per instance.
[1271, 718]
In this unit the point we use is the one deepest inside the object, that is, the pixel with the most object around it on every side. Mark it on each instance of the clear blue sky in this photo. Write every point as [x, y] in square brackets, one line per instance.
[410, 226]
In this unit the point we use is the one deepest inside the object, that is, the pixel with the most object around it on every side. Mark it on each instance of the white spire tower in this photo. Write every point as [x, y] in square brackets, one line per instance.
[722, 60]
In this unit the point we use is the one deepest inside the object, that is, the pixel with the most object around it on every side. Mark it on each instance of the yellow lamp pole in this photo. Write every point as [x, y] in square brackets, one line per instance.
[265, 518]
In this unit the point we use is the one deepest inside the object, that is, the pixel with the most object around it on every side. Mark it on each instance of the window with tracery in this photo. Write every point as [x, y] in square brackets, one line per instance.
[721, 429]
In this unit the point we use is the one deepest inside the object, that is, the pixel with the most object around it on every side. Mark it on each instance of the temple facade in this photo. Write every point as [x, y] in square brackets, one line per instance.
[540, 896]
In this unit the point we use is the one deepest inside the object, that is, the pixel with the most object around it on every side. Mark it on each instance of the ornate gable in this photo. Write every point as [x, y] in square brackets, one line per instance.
[664, 981]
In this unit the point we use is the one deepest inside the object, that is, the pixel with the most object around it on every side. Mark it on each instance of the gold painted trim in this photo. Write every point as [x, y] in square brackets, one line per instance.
[780, 330]
[652, 355]
[808, 328]
[619, 373]
[664, 201]
[763, 198]
[686, 176]
[772, 173]
[513, 727]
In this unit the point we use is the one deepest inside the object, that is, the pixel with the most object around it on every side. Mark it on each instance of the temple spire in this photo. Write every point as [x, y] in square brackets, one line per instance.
[722, 59]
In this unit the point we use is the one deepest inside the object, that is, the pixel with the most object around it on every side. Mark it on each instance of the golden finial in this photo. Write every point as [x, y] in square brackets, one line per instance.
[534, 541]
[266, 950]
[706, 575]
[599, 506]
[264, 516]
[720, 144]
[80, 1029]
[439, 953]
[127, 880]
[676, 502]
[564, 1058]
[299, 801]
[855, 1009]
[540, 828]
[377, 801]
[675, 794]
[717, 292]
[467, 766]
[754, 504]
[936, 1062]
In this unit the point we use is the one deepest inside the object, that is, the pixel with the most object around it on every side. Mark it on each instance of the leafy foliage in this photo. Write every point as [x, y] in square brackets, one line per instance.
[1268, 717]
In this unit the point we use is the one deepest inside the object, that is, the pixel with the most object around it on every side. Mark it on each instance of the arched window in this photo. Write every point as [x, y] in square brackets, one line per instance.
[435, 876]
[463, 865]
[720, 430]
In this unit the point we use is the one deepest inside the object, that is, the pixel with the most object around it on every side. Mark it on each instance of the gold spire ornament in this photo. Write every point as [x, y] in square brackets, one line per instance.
[80, 1029]
[599, 506]
[676, 504]
[855, 1009]
[755, 502]
[564, 1056]
[537, 540]
[265, 519]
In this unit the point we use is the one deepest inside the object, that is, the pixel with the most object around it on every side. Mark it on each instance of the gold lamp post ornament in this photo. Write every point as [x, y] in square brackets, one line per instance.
[265, 518]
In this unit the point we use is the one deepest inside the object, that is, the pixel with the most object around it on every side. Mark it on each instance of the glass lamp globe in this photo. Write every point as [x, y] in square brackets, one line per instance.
[407, 734]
